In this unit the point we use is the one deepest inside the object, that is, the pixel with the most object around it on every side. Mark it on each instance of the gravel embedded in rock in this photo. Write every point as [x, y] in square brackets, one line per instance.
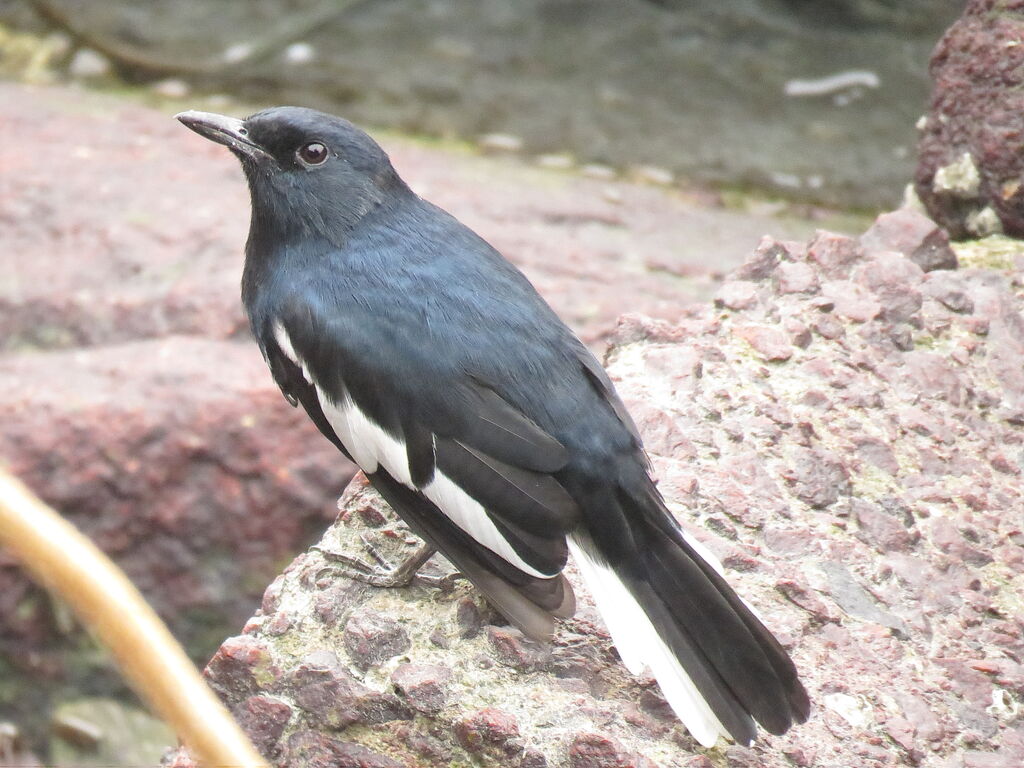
[372, 637]
[424, 686]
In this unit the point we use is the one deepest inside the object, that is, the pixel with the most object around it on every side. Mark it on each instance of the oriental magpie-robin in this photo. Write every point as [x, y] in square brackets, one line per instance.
[431, 362]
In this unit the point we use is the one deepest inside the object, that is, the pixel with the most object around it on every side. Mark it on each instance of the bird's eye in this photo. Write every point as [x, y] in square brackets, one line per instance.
[313, 153]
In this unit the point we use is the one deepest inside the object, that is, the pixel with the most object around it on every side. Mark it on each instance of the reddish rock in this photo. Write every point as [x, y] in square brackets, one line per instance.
[169, 454]
[312, 749]
[242, 665]
[741, 757]
[950, 289]
[977, 759]
[486, 729]
[514, 649]
[532, 758]
[851, 300]
[424, 686]
[593, 750]
[817, 478]
[328, 692]
[948, 538]
[833, 253]
[971, 148]
[828, 327]
[803, 598]
[894, 280]
[762, 262]
[264, 719]
[469, 618]
[736, 294]
[372, 637]
[881, 530]
[799, 334]
[770, 344]
[912, 234]
[795, 277]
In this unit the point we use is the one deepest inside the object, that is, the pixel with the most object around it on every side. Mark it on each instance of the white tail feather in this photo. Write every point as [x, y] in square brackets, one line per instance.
[639, 644]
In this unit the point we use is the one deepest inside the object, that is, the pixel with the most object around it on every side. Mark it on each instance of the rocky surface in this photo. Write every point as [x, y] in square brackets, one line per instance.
[175, 456]
[971, 149]
[843, 429]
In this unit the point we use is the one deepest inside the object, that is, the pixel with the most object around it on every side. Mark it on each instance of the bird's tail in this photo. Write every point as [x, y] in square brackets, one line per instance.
[667, 607]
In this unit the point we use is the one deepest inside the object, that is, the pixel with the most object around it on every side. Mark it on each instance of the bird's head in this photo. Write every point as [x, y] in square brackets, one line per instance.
[309, 173]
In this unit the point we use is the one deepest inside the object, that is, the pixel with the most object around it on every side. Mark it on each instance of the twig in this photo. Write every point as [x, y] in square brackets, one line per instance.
[70, 565]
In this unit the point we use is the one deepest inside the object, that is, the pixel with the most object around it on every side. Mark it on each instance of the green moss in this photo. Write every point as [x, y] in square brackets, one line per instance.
[996, 252]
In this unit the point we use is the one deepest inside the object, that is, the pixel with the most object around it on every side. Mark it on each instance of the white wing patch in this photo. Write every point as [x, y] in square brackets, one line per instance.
[466, 512]
[285, 343]
[639, 645]
[372, 447]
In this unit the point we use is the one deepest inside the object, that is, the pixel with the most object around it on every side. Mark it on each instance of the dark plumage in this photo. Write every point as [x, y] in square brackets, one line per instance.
[432, 362]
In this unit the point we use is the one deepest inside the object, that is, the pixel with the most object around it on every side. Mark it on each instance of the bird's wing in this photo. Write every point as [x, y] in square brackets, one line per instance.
[445, 436]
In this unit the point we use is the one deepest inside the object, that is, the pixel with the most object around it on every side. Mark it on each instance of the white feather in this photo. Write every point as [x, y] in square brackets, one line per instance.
[285, 343]
[372, 447]
[706, 554]
[466, 512]
[639, 644]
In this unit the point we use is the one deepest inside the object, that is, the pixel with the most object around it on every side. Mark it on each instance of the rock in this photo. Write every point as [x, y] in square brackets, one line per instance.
[264, 719]
[970, 151]
[816, 478]
[796, 277]
[372, 637]
[172, 88]
[951, 290]
[242, 664]
[881, 530]
[513, 648]
[592, 750]
[88, 64]
[424, 686]
[914, 235]
[168, 454]
[762, 262]
[834, 487]
[737, 294]
[328, 694]
[770, 344]
[833, 253]
[316, 750]
[486, 729]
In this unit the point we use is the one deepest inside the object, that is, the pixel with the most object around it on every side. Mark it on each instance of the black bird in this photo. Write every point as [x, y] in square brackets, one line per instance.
[432, 363]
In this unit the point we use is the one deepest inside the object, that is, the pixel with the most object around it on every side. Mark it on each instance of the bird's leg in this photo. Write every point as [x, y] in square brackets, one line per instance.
[384, 574]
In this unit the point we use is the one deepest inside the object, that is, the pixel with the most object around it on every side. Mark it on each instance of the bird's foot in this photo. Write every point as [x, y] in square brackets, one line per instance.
[384, 574]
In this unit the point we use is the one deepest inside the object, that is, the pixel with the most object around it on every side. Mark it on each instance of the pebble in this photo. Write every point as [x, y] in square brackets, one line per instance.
[88, 64]
[500, 142]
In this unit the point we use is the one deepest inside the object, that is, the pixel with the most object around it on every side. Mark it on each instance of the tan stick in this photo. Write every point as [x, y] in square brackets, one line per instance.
[71, 566]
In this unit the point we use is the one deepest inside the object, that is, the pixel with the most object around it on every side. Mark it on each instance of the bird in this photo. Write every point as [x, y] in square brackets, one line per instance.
[433, 363]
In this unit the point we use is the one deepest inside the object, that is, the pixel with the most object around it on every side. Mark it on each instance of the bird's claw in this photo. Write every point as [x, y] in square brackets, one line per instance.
[384, 574]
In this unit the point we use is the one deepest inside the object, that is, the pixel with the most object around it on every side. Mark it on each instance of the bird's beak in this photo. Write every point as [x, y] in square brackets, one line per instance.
[229, 131]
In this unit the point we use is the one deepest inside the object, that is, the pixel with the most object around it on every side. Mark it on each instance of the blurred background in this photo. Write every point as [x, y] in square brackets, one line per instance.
[625, 153]
[814, 99]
